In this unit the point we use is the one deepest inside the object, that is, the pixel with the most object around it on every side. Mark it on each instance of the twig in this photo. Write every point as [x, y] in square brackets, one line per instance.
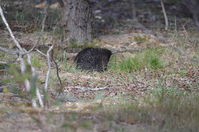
[17, 52]
[9, 51]
[22, 61]
[23, 70]
[10, 31]
[165, 15]
[13, 37]
[41, 52]
[57, 70]
[44, 19]
[49, 68]
[34, 75]
[26, 81]
[29, 51]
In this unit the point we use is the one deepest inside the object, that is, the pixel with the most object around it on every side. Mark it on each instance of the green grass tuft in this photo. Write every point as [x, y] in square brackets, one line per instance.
[129, 65]
[152, 58]
[149, 58]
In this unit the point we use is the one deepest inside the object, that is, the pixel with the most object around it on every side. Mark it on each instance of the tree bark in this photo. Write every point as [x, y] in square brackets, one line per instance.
[77, 16]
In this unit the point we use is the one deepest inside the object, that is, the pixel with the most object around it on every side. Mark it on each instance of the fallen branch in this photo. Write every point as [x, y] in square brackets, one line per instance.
[85, 88]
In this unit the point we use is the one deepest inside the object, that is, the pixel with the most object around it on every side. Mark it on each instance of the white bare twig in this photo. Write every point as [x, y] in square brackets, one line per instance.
[9, 51]
[34, 75]
[13, 37]
[49, 68]
[40, 52]
[86, 88]
[21, 52]
[26, 81]
[10, 31]
[23, 70]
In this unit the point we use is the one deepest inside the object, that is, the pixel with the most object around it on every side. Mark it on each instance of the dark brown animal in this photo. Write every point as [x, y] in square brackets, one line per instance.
[93, 59]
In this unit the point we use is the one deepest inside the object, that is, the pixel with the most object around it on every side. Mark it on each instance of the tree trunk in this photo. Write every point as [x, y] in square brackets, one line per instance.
[192, 6]
[77, 17]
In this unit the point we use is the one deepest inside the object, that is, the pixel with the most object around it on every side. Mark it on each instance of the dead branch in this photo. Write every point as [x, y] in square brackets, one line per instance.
[26, 81]
[9, 30]
[9, 51]
[34, 75]
[22, 61]
[165, 15]
[40, 52]
[57, 71]
[49, 68]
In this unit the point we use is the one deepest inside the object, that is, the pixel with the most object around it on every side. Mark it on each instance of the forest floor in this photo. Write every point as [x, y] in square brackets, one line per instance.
[151, 85]
[120, 99]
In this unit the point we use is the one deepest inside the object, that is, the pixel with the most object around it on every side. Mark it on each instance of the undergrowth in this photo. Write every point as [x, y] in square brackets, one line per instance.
[163, 109]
